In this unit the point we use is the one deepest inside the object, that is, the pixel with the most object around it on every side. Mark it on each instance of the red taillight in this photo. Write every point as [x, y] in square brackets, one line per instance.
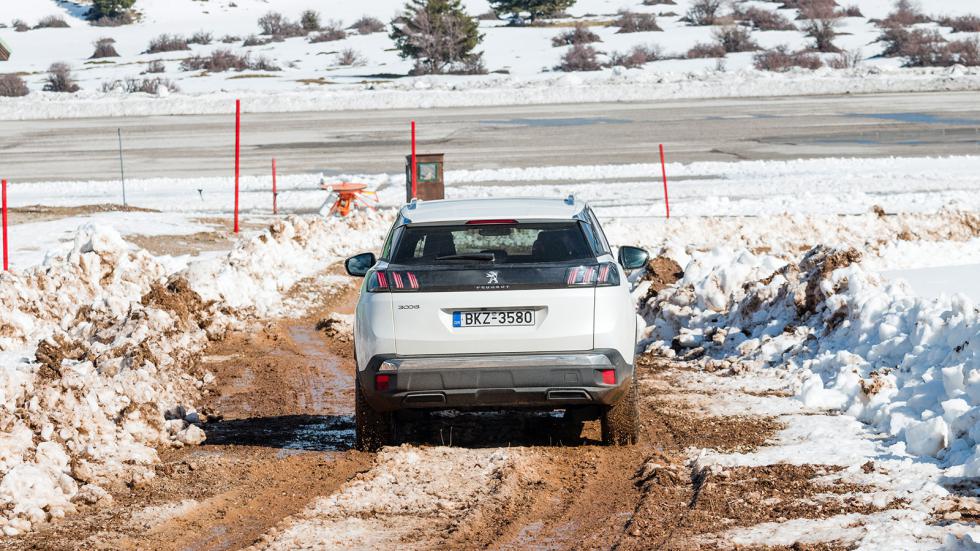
[392, 281]
[608, 376]
[608, 275]
[382, 383]
[581, 275]
[485, 222]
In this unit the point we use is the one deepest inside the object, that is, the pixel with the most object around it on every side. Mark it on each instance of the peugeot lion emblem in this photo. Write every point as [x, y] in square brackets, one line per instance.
[492, 278]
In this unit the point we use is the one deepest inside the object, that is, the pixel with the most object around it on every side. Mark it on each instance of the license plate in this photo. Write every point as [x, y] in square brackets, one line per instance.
[493, 318]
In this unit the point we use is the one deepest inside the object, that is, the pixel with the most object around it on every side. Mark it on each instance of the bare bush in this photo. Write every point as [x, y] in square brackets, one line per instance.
[230, 39]
[20, 25]
[167, 43]
[966, 52]
[659, 2]
[823, 32]
[919, 47]
[630, 22]
[963, 24]
[134, 85]
[253, 40]
[117, 20]
[104, 47]
[765, 20]
[12, 86]
[580, 34]
[705, 50]
[636, 57]
[274, 24]
[579, 57]
[905, 14]
[333, 31]
[225, 60]
[735, 38]
[852, 11]
[780, 59]
[310, 20]
[156, 66]
[369, 25]
[846, 60]
[200, 37]
[52, 22]
[60, 79]
[704, 12]
[349, 57]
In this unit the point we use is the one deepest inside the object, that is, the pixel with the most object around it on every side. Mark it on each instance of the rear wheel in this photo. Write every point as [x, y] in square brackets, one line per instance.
[375, 429]
[621, 420]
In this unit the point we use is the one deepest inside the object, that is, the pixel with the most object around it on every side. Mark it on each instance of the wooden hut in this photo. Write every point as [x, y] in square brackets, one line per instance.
[4, 51]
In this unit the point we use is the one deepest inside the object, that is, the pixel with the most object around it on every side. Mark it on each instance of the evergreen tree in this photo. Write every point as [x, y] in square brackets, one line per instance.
[110, 8]
[439, 36]
[536, 8]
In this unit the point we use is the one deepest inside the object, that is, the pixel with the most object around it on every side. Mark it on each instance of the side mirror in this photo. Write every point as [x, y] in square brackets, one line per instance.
[359, 265]
[632, 258]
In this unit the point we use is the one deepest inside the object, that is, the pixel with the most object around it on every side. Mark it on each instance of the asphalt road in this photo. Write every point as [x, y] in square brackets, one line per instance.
[936, 123]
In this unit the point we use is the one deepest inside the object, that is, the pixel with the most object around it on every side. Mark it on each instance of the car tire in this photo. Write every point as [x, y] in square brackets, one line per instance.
[374, 429]
[621, 420]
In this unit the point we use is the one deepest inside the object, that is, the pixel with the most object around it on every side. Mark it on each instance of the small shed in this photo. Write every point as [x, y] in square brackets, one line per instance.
[4, 51]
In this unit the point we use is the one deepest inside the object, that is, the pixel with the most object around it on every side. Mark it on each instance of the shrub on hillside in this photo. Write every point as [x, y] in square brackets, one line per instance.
[156, 66]
[200, 37]
[369, 25]
[823, 32]
[225, 60]
[349, 57]
[167, 43]
[536, 9]
[963, 24]
[630, 22]
[310, 20]
[846, 60]
[905, 14]
[705, 50]
[780, 59]
[20, 25]
[637, 57]
[60, 79]
[579, 57]
[762, 19]
[12, 86]
[104, 47]
[140, 85]
[580, 34]
[274, 24]
[333, 31]
[735, 38]
[52, 22]
[253, 40]
[852, 11]
[704, 12]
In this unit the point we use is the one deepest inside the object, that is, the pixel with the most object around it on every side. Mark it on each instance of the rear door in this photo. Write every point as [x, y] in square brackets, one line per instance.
[492, 288]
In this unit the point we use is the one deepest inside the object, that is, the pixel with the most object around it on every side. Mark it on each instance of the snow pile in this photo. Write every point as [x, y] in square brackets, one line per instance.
[260, 270]
[110, 381]
[908, 367]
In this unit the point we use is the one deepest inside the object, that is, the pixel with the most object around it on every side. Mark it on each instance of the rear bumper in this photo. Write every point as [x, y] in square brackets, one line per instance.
[553, 380]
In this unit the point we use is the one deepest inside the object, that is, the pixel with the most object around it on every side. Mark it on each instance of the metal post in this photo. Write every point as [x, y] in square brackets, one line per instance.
[5, 253]
[415, 166]
[238, 143]
[663, 168]
[122, 174]
[275, 194]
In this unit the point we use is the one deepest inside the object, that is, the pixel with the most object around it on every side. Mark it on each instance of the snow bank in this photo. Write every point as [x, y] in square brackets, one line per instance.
[98, 352]
[907, 366]
[611, 85]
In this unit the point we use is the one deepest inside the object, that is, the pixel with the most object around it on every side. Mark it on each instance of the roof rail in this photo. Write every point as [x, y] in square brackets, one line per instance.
[413, 203]
[570, 200]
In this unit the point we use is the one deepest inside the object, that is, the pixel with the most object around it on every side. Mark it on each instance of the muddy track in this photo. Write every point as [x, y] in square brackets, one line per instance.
[285, 394]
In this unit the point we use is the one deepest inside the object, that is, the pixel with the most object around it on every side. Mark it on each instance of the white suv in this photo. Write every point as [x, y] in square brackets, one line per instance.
[495, 303]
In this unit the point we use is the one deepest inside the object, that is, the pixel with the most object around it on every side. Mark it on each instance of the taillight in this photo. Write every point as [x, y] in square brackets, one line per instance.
[603, 275]
[380, 281]
[382, 383]
[608, 376]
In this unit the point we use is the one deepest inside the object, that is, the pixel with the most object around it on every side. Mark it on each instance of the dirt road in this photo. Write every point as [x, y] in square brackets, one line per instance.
[278, 470]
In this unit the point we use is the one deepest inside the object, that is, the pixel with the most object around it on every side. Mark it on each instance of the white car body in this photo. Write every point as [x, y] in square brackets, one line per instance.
[579, 349]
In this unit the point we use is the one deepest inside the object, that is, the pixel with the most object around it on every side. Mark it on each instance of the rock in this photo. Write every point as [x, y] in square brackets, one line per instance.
[192, 435]
[90, 494]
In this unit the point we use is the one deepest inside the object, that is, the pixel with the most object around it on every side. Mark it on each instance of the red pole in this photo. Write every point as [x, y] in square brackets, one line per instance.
[663, 167]
[275, 195]
[415, 165]
[238, 144]
[4, 193]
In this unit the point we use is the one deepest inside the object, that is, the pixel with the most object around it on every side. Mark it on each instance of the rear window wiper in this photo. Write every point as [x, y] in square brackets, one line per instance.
[487, 257]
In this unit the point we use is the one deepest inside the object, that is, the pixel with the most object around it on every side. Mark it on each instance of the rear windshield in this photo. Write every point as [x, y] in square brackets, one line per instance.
[492, 243]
